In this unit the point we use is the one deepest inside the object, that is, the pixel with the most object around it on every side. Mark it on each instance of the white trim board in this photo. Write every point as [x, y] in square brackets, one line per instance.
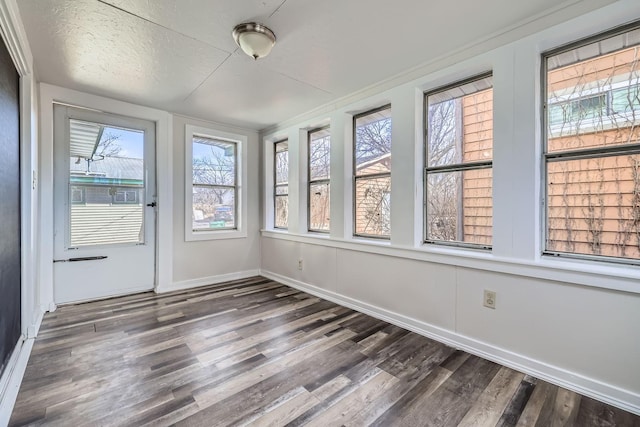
[12, 378]
[206, 281]
[15, 37]
[589, 387]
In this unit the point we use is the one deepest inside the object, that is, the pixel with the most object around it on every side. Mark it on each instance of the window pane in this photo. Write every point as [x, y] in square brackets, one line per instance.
[105, 163]
[282, 162]
[626, 100]
[460, 124]
[594, 206]
[282, 211]
[77, 195]
[592, 95]
[213, 208]
[373, 143]
[373, 206]
[214, 161]
[319, 154]
[319, 206]
[460, 206]
[281, 200]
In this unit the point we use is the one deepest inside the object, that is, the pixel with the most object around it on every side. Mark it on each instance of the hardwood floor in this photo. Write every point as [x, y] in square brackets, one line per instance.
[256, 352]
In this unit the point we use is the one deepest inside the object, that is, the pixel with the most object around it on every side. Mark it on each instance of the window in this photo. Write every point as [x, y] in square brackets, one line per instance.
[281, 184]
[319, 179]
[125, 196]
[214, 170]
[592, 148]
[372, 173]
[77, 194]
[458, 172]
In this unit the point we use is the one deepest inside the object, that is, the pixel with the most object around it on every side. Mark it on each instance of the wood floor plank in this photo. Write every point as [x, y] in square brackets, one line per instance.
[348, 407]
[256, 352]
[284, 410]
[516, 405]
[494, 399]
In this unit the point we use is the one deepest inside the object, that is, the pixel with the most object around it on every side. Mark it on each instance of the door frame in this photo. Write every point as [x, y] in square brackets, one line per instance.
[49, 95]
[68, 290]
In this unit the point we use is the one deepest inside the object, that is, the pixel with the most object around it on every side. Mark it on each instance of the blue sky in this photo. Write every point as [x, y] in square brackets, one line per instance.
[131, 142]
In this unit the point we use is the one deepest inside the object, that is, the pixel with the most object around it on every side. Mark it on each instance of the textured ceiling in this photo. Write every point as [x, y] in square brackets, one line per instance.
[179, 55]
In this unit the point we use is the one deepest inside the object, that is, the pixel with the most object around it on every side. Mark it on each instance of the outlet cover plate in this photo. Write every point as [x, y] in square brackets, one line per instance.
[489, 300]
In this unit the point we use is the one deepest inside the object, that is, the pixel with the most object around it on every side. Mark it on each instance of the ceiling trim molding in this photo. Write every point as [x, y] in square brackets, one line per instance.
[15, 37]
[520, 30]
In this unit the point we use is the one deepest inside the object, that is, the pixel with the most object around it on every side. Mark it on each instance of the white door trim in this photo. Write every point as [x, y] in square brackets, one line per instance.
[164, 172]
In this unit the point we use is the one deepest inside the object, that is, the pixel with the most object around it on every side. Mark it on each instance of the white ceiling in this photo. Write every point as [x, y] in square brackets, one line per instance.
[178, 55]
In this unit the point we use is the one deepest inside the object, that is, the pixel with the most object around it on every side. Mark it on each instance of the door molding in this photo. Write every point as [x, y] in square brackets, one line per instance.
[15, 39]
[49, 95]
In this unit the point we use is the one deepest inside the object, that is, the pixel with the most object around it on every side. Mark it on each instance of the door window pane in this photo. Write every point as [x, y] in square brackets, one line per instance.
[106, 184]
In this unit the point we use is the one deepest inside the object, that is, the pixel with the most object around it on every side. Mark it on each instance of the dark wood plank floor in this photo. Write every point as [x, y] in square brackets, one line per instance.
[256, 352]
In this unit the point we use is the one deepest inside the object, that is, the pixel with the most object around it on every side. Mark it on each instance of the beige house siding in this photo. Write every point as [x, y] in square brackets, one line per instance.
[372, 215]
[477, 141]
[594, 204]
[97, 224]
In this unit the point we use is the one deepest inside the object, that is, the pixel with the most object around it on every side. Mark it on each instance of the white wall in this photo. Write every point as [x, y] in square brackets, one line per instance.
[572, 322]
[206, 261]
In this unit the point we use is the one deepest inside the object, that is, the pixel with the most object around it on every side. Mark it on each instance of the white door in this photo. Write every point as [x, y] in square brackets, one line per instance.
[104, 205]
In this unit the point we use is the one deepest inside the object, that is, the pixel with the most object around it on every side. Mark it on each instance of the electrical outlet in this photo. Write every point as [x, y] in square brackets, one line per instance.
[489, 299]
[300, 264]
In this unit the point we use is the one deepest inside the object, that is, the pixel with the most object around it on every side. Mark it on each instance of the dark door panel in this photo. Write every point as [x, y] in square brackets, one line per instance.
[9, 207]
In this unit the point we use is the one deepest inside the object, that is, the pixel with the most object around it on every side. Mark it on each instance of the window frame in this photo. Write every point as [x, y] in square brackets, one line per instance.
[455, 167]
[276, 185]
[602, 152]
[311, 182]
[355, 177]
[240, 198]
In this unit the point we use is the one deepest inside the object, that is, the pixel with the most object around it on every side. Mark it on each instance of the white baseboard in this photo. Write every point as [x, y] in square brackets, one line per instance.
[204, 281]
[595, 389]
[12, 378]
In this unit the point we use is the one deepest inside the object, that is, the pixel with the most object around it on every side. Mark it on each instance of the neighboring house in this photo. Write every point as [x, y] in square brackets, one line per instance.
[107, 197]
[477, 187]
[593, 203]
[460, 203]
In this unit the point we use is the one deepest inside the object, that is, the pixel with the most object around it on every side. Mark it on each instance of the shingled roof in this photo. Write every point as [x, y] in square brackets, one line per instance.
[110, 167]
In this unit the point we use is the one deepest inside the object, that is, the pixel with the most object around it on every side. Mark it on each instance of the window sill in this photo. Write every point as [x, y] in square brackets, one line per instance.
[215, 235]
[600, 275]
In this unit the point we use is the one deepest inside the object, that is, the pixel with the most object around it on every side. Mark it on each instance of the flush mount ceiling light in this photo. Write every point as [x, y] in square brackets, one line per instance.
[254, 39]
